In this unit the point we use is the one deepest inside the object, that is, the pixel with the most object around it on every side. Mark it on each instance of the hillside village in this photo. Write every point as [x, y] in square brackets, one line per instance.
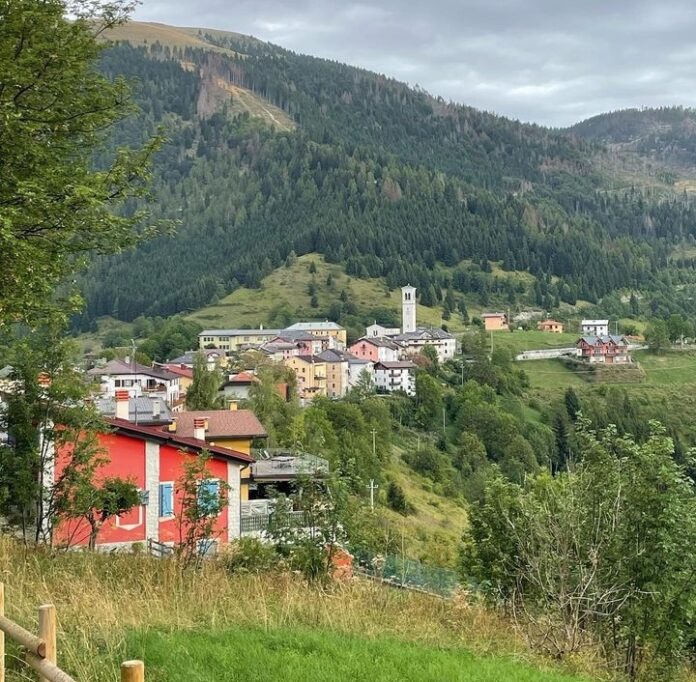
[153, 431]
[308, 374]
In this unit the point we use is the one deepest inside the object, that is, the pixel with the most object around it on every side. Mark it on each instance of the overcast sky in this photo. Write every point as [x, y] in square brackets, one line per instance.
[550, 61]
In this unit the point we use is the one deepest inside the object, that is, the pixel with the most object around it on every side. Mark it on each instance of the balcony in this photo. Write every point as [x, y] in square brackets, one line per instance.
[260, 523]
[287, 466]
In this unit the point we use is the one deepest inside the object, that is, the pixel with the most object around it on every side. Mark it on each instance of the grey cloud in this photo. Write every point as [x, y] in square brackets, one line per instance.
[548, 61]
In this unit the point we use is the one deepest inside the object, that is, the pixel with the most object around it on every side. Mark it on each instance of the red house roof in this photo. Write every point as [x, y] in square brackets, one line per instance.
[163, 436]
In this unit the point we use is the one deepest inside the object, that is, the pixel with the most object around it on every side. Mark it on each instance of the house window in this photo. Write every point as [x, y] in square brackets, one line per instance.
[166, 500]
[208, 495]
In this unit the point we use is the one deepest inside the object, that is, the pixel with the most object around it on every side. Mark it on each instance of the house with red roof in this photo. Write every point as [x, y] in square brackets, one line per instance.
[153, 457]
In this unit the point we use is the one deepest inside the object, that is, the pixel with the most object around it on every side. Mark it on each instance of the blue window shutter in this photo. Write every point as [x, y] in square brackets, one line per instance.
[208, 494]
[166, 495]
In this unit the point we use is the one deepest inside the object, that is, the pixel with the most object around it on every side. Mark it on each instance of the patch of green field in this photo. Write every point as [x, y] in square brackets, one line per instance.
[550, 375]
[297, 655]
[519, 341]
[286, 292]
[669, 369]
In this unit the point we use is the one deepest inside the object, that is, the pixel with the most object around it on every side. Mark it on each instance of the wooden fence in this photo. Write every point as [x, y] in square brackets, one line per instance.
[41, 653]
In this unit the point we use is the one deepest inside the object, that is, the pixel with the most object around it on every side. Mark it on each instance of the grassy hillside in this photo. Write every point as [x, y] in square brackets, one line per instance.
[286, 292]
[433, 532]
[210, 625]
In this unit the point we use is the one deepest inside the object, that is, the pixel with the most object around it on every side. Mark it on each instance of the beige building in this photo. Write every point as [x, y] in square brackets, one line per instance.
[232, 340]
[331, 329]
[311, 373]
[337, 372]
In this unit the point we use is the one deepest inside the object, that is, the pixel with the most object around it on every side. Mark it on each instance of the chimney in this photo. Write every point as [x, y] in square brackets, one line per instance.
[199, 428]
[156, 408]
[233, 405]
[122, 405]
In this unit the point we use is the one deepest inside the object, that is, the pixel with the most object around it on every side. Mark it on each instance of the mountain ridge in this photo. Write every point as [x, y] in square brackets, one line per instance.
[382, 178]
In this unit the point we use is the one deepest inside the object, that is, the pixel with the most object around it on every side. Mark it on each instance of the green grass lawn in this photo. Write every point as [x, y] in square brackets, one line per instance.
[668, 369]
[295, 655]
[550, 374]
[518, 341]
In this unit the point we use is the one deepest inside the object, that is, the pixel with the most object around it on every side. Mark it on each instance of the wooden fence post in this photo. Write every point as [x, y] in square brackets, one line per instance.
[47, 632]
[132, 671]
[2, 634]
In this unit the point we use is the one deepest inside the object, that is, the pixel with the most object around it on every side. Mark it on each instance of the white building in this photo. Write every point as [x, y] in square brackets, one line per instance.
[414, 342]
[408, 341]
[356, 367]
[137, 379]
[396, 376]
[376, 330]
[595, 327]
[408, 309]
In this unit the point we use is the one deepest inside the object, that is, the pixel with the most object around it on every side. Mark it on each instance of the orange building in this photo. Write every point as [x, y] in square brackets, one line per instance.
[550, 326]
[495, 322]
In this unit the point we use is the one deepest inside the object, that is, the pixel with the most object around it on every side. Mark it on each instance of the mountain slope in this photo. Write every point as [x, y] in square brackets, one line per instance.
[667, 135]
[309, 155]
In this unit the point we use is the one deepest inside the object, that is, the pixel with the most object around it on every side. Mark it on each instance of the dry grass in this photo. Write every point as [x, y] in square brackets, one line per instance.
[102, 598]
[147, 33]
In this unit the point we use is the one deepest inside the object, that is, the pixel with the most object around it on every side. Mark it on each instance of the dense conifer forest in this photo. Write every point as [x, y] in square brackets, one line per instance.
[382, 178]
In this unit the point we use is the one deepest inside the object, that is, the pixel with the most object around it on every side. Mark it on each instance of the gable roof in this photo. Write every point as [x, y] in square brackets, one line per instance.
[139, 409]
[239, 332]
[597, 340]
[169, 438]
[398, 364]
[335, 355]
[294, 335]
[180, 370]
[379, 341]
[189, 357]
[222, 424]
[317, 326]
[424, 334]
[309, 359]
[594, 323]
[120, 367]
[243, 378]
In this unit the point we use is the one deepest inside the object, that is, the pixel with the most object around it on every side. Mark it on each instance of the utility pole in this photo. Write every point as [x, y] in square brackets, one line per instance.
[444, 421]
[372, 487]
[374, 442]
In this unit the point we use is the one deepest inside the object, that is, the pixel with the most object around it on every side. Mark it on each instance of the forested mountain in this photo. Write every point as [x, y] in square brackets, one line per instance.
[667, 134]
[271, 152]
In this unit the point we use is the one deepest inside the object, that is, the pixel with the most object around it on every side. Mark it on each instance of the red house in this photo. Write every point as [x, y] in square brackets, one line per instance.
[153, 458]
[608, 349]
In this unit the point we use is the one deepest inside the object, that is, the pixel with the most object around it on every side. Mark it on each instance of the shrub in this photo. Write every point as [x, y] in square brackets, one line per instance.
[396, 499]
[250, 555]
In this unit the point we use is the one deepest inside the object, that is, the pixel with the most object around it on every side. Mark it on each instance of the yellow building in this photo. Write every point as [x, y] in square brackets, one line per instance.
[311, 373]
[322, 329]
[233, 340]
[337, 372]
